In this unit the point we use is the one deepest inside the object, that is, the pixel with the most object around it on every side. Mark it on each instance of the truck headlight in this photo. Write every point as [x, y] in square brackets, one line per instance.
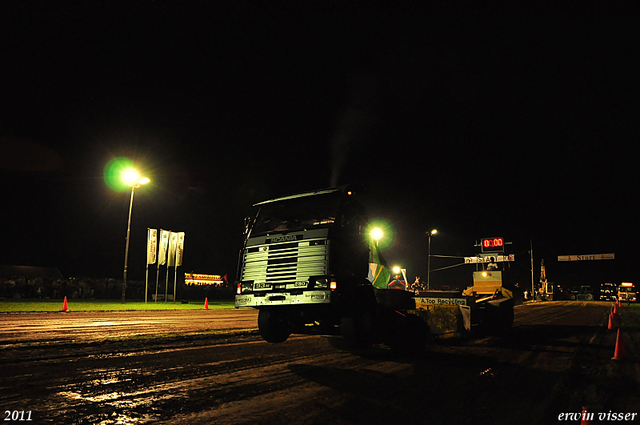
[244, 286]
[320, 282]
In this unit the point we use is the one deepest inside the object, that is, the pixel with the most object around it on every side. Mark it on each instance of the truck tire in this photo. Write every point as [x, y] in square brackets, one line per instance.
[358, 326]
[357, 330]
[272, 326]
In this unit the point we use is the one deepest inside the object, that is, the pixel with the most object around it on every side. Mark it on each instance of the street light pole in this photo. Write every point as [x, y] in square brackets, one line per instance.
[126, 250]
[132, 178]
[431, 233]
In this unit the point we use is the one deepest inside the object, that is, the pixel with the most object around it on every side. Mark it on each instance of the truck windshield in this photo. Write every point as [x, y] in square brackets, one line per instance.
[297, 214]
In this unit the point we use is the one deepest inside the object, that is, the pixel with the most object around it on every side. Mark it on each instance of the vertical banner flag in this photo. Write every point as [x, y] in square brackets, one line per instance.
[164, 243]
[379, 273]
[152, 245]
[170, 260]
[180, 249]
[173, 243]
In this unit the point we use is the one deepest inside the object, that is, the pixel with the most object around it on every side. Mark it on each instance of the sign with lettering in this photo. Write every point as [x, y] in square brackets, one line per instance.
[587, 257]
[490, 259]
[448, 301]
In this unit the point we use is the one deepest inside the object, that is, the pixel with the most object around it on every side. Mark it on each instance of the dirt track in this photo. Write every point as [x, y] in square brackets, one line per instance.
[556, 359]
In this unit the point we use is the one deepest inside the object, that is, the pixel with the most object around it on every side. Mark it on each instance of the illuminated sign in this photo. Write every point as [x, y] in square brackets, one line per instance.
[492, 244]
[197, 279]
[498, 259]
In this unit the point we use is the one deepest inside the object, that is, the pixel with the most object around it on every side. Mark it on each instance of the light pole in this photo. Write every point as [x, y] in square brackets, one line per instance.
[133, 179]
[431, 233]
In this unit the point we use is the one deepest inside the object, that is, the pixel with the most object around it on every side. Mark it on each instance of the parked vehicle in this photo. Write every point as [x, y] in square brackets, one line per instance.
[608, 292]
[627, 292]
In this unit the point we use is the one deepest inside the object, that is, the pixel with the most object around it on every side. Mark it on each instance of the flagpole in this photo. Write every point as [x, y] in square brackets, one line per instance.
[532, 278]
[157, 276]
[175, 280]
[166, 284]
[169, 257]
[146, 277]
[146, 284]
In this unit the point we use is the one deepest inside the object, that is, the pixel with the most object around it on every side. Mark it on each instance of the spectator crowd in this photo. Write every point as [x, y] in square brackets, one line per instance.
[17, 287]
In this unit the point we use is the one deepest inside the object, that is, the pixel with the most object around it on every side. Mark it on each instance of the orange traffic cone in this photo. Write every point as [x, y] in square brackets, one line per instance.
[206, 303]
[620, 352]
[586, 416]
[612, 324]
[64, 305]
[615, 308]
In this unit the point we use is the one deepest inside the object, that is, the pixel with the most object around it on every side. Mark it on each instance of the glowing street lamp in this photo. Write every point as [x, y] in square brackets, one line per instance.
[132, 178]
[431, 233]
[377, 234]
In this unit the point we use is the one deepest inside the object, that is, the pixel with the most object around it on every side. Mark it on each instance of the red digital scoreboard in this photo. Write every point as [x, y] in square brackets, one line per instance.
[492, 245]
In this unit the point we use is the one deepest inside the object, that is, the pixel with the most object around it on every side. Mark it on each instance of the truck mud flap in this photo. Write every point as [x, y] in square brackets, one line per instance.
[497, 315]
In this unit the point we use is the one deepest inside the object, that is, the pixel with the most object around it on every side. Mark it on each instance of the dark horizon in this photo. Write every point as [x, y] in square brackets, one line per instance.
[516, 121]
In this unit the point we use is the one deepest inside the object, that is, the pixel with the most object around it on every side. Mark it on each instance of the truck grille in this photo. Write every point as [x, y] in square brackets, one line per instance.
[286, 262]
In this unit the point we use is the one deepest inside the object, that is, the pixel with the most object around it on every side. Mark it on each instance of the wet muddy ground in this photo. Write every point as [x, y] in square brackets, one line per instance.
[210, 369]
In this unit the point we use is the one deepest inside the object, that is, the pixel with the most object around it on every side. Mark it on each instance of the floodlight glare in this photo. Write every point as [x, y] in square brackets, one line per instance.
[130, 176]
[376, 234]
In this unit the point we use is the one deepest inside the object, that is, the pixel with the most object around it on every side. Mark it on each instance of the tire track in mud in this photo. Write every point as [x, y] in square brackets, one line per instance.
[236, 378]
[74, 327]
[125, 384]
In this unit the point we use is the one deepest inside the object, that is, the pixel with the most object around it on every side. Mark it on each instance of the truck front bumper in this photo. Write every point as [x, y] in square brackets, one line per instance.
[283, 298]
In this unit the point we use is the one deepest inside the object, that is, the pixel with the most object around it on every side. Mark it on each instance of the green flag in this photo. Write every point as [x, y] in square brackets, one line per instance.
[379, 274]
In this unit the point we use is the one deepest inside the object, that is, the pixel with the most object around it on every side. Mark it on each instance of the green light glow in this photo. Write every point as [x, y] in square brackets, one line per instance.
[385, 228]
[113, 173]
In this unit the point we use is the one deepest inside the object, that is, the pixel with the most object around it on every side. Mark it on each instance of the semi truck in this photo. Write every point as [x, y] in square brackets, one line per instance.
[607, 292]
[306, 266]
[627, 292]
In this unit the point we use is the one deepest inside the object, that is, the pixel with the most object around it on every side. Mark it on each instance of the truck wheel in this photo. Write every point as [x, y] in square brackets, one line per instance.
[272, 326]
[357, 330]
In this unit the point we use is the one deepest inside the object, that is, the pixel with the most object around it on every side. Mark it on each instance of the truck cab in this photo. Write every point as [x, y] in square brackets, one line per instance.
[304, 263]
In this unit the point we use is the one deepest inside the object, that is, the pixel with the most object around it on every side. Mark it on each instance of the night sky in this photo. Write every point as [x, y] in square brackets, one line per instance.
[478, 120]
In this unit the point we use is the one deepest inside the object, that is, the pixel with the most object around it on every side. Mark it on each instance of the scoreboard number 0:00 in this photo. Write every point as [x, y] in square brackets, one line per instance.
[493, 244]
